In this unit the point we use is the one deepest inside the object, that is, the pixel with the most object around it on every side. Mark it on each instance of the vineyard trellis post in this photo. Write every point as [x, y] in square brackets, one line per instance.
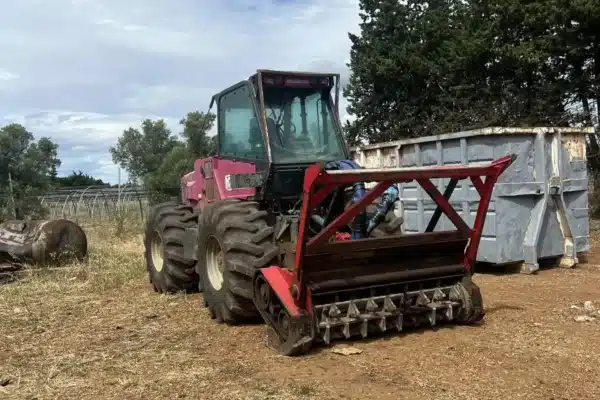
[94, 202]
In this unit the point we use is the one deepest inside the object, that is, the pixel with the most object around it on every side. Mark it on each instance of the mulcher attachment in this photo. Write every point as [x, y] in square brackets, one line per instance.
[341, 288]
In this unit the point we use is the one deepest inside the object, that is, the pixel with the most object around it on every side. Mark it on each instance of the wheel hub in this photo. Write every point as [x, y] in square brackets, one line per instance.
[215, 263]
[156, 252]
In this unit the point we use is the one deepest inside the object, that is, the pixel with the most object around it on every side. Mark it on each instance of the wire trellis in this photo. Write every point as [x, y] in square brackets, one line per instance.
[95, 202]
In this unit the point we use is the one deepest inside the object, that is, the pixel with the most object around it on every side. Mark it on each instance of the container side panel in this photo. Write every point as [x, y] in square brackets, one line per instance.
[525, 214]
[513, 214]
[577, 202]
[550, 242]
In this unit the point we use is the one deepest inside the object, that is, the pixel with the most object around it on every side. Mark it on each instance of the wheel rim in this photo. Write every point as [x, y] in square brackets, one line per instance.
[156, 251]
[263, 293]
[283, 319]
[215, 263]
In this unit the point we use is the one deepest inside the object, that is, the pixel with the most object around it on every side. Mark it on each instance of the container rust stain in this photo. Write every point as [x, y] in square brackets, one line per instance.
[575, 146]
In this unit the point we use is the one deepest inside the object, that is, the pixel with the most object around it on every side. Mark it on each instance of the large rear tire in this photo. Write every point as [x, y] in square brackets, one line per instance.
[234, 240]
[168, 270]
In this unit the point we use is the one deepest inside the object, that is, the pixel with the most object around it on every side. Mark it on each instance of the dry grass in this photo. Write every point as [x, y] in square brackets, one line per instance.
[98, 331]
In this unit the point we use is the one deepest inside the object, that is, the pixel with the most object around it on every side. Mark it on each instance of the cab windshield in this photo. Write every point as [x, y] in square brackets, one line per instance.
[300, 126]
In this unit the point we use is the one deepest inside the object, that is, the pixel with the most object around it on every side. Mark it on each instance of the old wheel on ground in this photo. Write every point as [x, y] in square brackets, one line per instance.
[169, 271]
[234, 240]
[44, 242]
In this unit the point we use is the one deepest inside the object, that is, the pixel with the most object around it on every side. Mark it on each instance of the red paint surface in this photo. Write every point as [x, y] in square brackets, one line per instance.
[280, 279]
[203, 190]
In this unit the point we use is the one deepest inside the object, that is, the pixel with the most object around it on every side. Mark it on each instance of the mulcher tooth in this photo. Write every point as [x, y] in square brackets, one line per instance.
[438, 295]
[399, 323]
[351, 315]
[346, 330]
[371, 306]
[324, 315]
[352, 310]
[334, 311]
[422, 299]
[327, 334]
[431, 315]
[449, 312]
[364, 328]
[388, 305]
[382, 324]
[455, 294]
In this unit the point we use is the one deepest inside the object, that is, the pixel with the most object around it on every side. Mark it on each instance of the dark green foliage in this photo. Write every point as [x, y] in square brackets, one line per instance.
[78, 179]
[196, 125]
[27, 169]
[163, 183]
[446, 65]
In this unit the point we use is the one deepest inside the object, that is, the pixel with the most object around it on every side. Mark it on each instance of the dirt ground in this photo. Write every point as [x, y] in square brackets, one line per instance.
[98, 331]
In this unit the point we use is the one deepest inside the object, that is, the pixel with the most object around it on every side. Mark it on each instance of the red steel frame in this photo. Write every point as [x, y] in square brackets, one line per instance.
[319, 183]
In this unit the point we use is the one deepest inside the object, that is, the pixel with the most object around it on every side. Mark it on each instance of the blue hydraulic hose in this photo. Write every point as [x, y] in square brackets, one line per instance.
[360, 226]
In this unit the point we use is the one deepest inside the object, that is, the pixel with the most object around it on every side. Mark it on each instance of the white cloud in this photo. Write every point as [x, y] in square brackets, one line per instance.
[82, 71]
[6, 75]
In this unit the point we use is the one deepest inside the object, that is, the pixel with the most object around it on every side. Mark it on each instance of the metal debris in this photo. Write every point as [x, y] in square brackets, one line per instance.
[346, 350]
[584, 318]
[587, 306]
[587, 311]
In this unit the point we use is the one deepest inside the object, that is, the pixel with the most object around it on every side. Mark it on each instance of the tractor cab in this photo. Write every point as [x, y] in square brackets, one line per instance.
[281, 122]
[281, 118]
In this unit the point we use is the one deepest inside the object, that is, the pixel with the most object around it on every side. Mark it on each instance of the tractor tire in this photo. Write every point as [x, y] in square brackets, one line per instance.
[168, 270]
[234, 241]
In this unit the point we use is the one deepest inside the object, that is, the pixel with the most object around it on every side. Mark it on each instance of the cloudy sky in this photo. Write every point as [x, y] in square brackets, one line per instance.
[81, 71]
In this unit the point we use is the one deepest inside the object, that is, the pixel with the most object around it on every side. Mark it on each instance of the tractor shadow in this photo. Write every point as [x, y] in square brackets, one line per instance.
[515, 268]
[386, 337]
[497, 270]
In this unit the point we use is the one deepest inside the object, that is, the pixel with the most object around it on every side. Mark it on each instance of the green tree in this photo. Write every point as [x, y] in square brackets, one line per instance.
[521, 75]
[161, 171]
[164, 182]
[429, 68]
[576, 60]
[576, 56]
[141, 152]
[26, 171]
[196, 126]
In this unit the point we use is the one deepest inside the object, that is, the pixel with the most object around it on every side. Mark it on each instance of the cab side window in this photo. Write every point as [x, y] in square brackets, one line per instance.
[239, 132]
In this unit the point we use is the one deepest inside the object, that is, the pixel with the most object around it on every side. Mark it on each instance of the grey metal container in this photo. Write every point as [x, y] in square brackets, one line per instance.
[539, 207]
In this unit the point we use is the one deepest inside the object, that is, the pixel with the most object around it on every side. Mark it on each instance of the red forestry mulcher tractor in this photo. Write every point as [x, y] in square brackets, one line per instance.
[280, 224]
